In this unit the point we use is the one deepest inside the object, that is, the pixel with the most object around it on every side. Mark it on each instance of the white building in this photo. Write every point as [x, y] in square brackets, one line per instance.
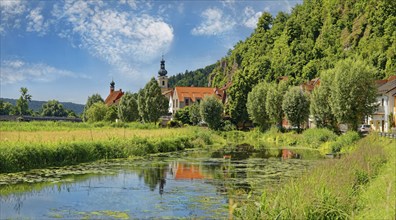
[382, 120]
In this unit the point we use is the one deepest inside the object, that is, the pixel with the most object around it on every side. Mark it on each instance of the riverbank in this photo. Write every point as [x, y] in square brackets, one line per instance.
[34, 145]
[27, 146]
[360, 185]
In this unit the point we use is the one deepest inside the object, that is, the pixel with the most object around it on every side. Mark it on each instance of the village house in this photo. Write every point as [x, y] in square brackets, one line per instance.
[180, 96]
[186, 96]
[384, 118]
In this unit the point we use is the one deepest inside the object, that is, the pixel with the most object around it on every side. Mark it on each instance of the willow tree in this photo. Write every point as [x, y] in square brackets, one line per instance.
[151, 103]
[353, 92]
[296, 107]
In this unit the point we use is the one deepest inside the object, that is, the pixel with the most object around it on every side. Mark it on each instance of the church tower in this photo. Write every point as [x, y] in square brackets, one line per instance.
[112, 86]
[162, 77]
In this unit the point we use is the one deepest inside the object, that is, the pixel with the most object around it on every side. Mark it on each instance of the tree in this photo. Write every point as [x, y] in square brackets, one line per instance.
[183, 115]
[53, 108]
[211, 112]
[320, 103]
[111, 114]
[296, 107]
[6, 108]
[22, 104]
[128, 108]
[151, 103]
[195, 115]
[96, 112]
[256, 105]
[273, 102]
[353, 92]
[90, 101]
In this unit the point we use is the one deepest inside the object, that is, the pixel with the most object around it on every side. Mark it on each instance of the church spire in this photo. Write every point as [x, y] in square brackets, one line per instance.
[162, 71]
[112, 86]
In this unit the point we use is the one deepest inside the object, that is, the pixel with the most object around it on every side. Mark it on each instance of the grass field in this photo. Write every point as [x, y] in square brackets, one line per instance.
[26, 146]
[361, 185]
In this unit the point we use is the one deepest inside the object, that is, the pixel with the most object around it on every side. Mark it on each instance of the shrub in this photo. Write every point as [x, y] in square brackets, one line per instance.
[316, 136]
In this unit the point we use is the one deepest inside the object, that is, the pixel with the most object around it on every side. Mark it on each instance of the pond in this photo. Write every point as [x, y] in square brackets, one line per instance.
[193, 184]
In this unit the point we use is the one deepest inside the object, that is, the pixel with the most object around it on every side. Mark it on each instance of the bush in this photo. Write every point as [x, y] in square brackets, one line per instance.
[316, 136]
[174, 124]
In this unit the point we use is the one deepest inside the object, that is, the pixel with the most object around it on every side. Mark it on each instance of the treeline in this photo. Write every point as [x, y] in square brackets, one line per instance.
[316, 36]
[197, 77]
[148, 105]
[36, 105]
[345, 96]
[21, 107]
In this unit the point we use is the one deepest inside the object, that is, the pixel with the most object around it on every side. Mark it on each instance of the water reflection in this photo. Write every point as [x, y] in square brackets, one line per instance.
[170, 186]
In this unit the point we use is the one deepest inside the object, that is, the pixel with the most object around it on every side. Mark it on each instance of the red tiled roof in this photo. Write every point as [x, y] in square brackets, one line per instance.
[114, 97]
[391, 78]
[188, 172]
[193, 92]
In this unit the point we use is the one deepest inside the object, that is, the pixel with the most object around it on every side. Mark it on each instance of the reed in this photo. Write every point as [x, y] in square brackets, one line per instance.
[335, 189]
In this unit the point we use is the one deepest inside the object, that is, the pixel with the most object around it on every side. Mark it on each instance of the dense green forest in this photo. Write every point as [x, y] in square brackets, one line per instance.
[314, 37]
[197, 77]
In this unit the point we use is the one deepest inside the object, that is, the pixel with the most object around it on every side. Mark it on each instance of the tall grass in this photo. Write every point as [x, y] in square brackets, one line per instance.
[67, 126]
[332, 190]
[18, 155]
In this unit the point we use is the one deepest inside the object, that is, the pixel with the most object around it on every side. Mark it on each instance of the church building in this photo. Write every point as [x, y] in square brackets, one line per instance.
[114, 97]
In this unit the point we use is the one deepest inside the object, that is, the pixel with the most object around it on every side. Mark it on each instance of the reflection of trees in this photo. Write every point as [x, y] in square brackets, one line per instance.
[154, 175]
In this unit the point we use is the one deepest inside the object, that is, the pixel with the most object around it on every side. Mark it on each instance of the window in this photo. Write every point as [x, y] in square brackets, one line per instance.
[163, 83]
[186, 101]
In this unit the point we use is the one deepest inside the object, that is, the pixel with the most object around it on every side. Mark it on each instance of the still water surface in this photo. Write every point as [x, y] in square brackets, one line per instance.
[185, 184]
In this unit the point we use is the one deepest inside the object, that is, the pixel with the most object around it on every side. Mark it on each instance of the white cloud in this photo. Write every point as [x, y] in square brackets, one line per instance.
[36, 22]
[131, 3]
[10, 11]
[215, 23]
[120, 38]
[251, 17]
[13, 71]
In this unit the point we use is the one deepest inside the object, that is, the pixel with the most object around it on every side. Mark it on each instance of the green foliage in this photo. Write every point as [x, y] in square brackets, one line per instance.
[211, 112]
[6, 108]
[90, 101]
[333, 189]
[320, 103]
[174, 124]
[314, 137]
[273, 102]
[183, 115]
[111, 114]
[151, 103]
[128, 108]
[195, 115]
[197, 77]
[296, 107]
[53, 108]
[22, 104]
[353, 92]
[312, 38]
[18, 156]
[96, 112]
[344, 141]
[256, 105]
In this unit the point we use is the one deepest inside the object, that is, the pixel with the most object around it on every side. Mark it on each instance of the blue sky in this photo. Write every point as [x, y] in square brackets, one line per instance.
[69, 50]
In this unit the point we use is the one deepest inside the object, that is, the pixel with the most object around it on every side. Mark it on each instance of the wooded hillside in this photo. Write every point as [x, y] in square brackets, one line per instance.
[312, 38]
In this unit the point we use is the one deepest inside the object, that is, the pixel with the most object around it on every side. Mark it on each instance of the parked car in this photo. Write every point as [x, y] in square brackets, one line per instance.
[365, 128]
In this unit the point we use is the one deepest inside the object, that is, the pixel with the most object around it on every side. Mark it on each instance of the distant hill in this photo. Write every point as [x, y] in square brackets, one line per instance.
[36, 105]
